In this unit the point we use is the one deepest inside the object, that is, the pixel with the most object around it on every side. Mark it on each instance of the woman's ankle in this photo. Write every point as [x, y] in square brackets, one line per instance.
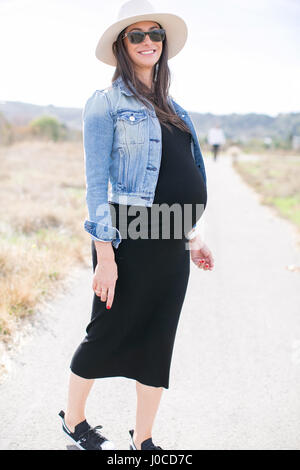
[137, 444]
[139, 439]
[72, 421]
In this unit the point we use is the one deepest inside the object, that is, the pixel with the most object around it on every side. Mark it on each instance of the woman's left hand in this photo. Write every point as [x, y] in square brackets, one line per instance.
[201, 254]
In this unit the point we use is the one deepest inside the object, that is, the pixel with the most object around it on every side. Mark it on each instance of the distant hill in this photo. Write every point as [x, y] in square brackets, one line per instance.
[247, 126]
[20, 114]
[239, 126]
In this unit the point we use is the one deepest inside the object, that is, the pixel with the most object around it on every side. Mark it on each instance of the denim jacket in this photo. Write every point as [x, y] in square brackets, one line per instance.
[122, 153]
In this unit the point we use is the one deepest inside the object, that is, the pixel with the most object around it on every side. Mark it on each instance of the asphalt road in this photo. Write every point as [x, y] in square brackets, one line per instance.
[235, 375]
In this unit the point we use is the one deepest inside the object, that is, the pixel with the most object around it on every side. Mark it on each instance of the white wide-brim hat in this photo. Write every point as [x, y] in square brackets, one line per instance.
[141, 10]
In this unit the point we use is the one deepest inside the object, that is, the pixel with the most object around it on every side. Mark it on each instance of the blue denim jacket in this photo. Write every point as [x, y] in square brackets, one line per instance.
[122, 153]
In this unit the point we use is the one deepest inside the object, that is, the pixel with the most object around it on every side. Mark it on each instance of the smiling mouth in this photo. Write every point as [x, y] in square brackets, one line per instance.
[150, 52]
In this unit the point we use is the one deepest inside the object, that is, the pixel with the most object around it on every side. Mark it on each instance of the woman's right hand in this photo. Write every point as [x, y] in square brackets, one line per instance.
[105, 277]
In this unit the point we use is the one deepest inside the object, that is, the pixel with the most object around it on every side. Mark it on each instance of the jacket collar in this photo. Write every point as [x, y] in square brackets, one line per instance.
[119, 82]
[124, 89]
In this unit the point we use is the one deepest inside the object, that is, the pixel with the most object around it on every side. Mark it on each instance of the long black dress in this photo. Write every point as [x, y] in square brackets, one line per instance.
[135, 338]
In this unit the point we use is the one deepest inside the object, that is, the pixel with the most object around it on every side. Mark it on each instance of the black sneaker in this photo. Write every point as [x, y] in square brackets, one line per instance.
[145, 445]
[85, 437]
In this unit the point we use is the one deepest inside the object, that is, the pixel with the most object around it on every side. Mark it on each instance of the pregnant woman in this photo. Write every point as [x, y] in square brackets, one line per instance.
[138, 139]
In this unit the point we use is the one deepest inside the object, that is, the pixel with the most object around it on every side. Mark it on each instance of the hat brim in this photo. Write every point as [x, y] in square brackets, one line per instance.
[176, 33]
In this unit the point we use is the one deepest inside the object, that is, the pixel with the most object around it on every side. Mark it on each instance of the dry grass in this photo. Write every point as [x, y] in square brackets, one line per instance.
[42, 190]
[277, 179]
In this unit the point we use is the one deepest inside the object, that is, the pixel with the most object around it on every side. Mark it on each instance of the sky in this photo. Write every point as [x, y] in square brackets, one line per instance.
[241, 56]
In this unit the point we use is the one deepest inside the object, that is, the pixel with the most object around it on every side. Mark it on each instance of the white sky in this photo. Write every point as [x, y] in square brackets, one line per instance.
[240, 56]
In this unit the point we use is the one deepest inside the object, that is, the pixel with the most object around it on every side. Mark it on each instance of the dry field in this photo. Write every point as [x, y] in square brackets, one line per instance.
[277, 180]
[42, 238]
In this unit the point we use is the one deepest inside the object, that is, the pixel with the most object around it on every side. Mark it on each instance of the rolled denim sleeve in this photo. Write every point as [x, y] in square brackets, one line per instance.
[98, 132]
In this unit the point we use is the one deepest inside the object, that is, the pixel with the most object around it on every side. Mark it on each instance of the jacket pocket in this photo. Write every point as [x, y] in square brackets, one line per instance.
[132, 127]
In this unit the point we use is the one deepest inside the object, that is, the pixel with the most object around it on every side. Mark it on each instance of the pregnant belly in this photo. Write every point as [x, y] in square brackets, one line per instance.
[179, 202]
[185, 188]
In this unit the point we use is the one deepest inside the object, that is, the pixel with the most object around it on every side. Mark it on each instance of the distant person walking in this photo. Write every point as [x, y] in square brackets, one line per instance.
[216, 138]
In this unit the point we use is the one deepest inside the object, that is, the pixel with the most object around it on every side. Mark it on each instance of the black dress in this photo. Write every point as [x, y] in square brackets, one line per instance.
[135, 338]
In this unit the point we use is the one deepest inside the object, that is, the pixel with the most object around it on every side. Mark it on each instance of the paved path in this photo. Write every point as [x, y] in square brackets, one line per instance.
[235, 376]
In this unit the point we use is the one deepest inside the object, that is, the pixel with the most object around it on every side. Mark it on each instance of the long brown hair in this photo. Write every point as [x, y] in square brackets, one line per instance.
[160, 83]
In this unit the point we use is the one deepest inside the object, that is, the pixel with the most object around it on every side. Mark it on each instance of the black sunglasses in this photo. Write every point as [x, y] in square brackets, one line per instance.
[135, 37]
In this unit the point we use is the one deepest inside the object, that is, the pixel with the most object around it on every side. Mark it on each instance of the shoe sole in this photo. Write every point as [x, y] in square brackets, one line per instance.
[74, 442]
[108, 446]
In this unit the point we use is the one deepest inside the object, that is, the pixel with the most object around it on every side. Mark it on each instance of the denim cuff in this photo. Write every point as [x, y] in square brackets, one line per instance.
[103, 232]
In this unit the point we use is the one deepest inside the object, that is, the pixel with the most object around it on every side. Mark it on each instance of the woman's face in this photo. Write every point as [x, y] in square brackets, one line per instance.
[134, 50]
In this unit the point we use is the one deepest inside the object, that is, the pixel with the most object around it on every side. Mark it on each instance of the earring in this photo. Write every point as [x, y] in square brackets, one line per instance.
[156, 72]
